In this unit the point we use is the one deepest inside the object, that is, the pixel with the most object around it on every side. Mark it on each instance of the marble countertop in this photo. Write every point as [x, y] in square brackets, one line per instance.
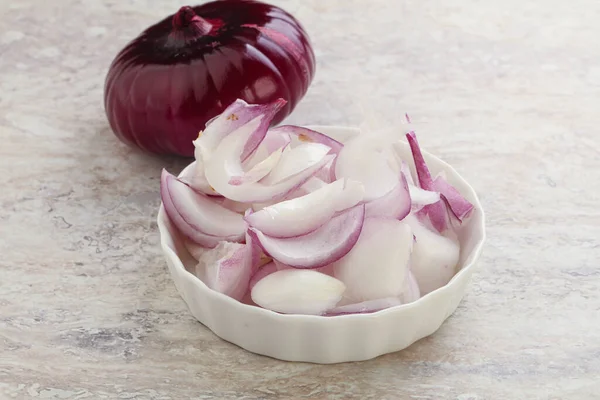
[507, 92]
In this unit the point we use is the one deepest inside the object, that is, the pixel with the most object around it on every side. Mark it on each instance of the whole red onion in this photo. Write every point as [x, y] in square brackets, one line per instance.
[165, 85]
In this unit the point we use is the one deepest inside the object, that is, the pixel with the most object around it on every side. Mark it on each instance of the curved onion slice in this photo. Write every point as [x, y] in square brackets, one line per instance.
[364, 307]
[396, 204]
[376, 267]
[460, 206]
[295, 161]
[271, 143]
[227, 268]
[295, 291]
[421, 197]
[436, 211]
[260, 170]
[411, 289]
[263, 271]
[320, 247]
[434, 257]
[193, 176]
[225, 163]
[310, 186]
[236, 115]
[304, 214]
[369, 163]
[198, 217]
[306, 135]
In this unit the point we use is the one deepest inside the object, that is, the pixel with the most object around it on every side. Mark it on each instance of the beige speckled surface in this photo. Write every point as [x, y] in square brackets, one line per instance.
[506, 91]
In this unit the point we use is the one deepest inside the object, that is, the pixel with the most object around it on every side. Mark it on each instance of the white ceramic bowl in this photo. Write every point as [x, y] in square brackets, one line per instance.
[319, 339]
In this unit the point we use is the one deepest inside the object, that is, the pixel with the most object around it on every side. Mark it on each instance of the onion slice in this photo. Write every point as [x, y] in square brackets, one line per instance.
[259, 170]
[377, 265]
[227, 268]
[365, 307]
[295, 161]
[396, 204]
[199, 218]
[225, 163]
[294, 291]
[369, 163]
[436, 211]
[434, 257]
[236, 115]
[305, 135]
[305, 214]
[263, 271]
[458, 204]
[323, 246]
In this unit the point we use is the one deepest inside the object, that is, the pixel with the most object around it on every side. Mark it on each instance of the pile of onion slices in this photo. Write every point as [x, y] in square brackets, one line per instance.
[293, 221]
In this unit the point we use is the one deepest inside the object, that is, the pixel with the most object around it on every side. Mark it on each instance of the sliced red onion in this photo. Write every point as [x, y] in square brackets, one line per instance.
[227, 268]
[411, 289]
[237, 115]
[259, 192]
[296, 291]
[365, 307]
[436, 211]
[460, 207]
[305, 214]
[295, 161]
[200, 219]
[259, 170]
[434, 257]
[396, 204]
[263, 271]
[320, 247]
[271, 143]
[306, 135]
[421, 197]
[201, 212]
[310, 186]
[368, 163]
[376, 267]
[193, 176]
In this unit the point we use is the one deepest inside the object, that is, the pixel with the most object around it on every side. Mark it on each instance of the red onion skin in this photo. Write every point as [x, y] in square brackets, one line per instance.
[164, 86]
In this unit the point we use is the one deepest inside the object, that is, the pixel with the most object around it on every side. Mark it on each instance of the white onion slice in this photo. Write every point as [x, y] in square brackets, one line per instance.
[227, 268]
[305, 135]
[458, 204]
[421, 197]
[376, 267]
[365, 307]
[369, 163]
[295, 291]
[193, 176]
[199, 218]
[396, 204]
[436, 211]
[304, 214]
[295, 161]
[236, 115]
[225, 163]
[259, 170]
[434, 257]
[320, 247]
[263, 271]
